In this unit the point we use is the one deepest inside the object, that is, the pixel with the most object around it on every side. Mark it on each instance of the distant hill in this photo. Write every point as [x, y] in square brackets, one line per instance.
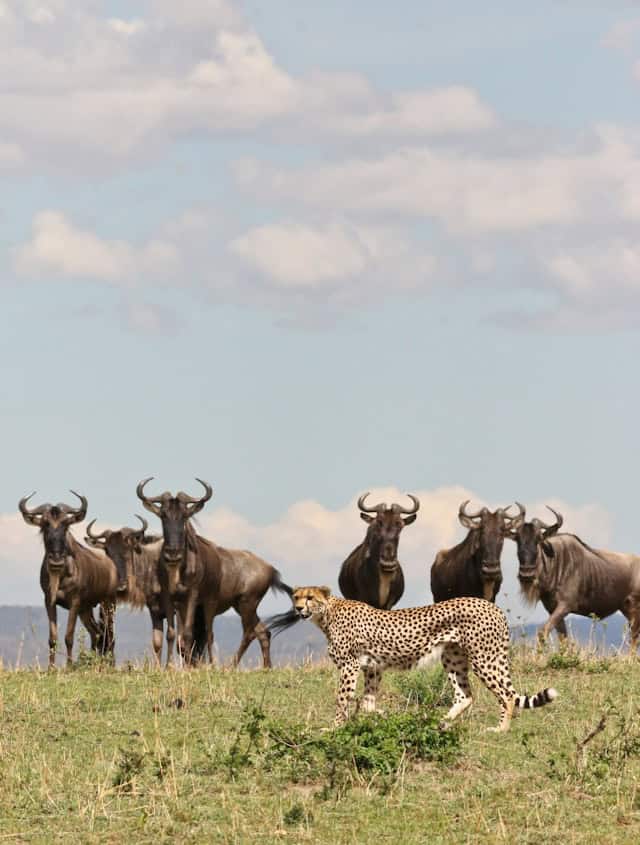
[24, 634]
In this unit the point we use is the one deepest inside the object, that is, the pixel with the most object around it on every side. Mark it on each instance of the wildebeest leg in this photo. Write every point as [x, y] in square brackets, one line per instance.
[347, 690]
[561, 629]
[556, 618]
[631, 610]
[107, 640]
[170, 615]
[92, 627]
[252, 627]
[52, 613]
[187, 614]
[209, 609]
[157, 631]
[71, 627]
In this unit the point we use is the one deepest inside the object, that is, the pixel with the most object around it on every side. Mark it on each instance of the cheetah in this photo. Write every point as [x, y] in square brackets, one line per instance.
[464, 632]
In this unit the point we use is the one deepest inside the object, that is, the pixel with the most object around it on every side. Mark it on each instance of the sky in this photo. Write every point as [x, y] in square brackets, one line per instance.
[308, 250]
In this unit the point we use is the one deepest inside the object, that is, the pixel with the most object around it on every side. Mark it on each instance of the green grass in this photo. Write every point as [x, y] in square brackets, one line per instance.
[138, 755]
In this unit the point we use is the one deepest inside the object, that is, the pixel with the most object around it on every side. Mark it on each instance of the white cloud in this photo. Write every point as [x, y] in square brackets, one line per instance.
[297, 255]
[59, 247]
[468, 192]
[77, 84]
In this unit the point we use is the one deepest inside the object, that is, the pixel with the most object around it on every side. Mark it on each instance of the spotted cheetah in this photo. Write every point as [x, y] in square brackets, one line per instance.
[463, 632]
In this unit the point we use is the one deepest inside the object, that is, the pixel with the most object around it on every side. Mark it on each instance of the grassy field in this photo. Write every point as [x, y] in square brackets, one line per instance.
[102, 755]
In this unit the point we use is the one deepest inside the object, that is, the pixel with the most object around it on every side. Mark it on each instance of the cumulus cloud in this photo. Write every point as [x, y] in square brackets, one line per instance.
[304, 256]
[80, 84]
[467, 193]
[59, 247]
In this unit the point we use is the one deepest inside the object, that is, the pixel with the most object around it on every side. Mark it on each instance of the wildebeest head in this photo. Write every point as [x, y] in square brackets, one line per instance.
[174, 512]
[53, 522]
[529, 537]
[490, 528]
[119, 545]
[385, 525]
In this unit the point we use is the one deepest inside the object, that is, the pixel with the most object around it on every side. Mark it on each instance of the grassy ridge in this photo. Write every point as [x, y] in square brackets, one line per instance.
[98, 755]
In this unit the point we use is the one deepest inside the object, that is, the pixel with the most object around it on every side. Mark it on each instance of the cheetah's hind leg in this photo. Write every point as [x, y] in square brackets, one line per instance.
[455, 664]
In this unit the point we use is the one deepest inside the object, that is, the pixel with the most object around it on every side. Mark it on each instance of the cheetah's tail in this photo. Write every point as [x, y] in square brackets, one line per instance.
[545, 696]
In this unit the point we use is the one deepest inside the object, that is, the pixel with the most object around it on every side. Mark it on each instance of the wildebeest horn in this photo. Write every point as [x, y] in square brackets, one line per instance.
[375, 509]
[414, 509]
[96, 537]
[150, 504]
[31, 516]
[197, 503]
[462, 511]
[77, 514]
[516, 521]
[550, 530]
[144, 522]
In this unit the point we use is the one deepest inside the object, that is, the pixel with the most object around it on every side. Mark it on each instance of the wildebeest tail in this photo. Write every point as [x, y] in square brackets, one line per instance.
[281, 621]
[278, 585]
[545, 696]
[199, 634]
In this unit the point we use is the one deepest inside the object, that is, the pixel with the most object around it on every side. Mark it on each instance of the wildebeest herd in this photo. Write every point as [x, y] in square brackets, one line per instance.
[185, 580]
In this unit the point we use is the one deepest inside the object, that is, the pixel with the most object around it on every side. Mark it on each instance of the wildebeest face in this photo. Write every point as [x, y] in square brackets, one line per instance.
[385, 526]
[490, 527]
[53, 522]
[175, 512]
[529, 538]
[119, 545]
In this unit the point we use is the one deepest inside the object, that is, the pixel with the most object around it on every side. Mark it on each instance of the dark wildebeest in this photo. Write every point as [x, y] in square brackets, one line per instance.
[142, 582]
[568, 576]
[73, 576]
[472, 568]
[372, 572]
[200, 573]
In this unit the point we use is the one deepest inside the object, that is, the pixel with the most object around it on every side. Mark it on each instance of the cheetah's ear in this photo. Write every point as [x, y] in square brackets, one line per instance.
[326, 591]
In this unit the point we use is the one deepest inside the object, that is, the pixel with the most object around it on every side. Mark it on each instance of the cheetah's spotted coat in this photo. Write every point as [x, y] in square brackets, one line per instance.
[468, 632]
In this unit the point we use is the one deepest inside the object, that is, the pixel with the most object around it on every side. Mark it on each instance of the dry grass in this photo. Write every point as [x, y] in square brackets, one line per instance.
[99, 755]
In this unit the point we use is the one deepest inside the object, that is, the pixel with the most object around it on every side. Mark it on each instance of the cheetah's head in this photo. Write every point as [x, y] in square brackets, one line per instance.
[310, 601]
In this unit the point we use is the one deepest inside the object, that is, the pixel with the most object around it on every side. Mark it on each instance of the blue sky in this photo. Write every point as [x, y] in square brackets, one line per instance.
[306, 251]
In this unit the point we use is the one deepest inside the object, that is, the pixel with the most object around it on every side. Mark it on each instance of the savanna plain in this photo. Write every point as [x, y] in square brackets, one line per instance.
[97, 754]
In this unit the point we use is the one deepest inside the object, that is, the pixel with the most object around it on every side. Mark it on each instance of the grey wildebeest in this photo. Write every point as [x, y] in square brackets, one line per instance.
[568, 576]
[73, 576]
[142, 582]
[199, 572]
[372, 572]
[472, 568]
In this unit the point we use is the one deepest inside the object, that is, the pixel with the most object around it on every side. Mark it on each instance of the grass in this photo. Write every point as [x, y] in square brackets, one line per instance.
[103, 755]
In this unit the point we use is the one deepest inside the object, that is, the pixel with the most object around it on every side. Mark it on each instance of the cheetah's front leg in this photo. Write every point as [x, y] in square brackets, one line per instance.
[372, 676]
[346, 691]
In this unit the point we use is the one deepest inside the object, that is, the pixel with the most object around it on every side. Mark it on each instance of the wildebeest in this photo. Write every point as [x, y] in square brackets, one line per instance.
[568, 576]
[372, 572]
[73, 576]
[137, 560]
[201, 573]
[472, 568]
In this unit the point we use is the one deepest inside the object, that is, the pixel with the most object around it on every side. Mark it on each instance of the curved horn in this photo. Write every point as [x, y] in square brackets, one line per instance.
[148, 503]
[198, 504]
[144, 522]
[550, 530]
[31, 516]
[462, 511]
[96, 537]
[516, 521]
[77, 514]
[414, 509]
[375, 509]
